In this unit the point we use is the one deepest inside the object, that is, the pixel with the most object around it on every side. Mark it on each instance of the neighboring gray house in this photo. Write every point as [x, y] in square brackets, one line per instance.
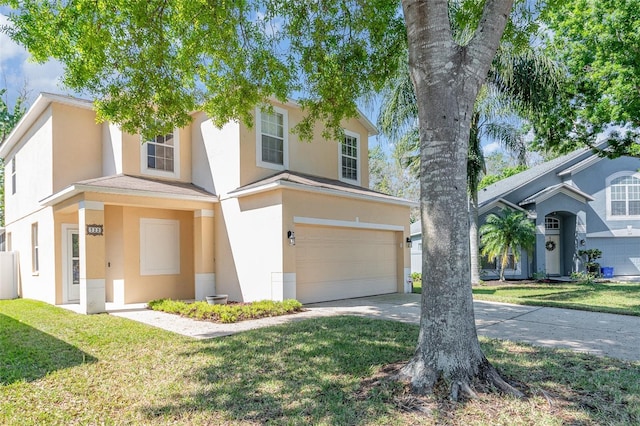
[578, 201]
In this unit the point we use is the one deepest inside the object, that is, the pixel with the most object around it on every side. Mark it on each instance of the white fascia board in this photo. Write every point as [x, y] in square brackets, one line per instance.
[346, 224]
[500, 201]
[571, 192]
[580, 166]
[39, 106]
[78, 189]
[325, 191]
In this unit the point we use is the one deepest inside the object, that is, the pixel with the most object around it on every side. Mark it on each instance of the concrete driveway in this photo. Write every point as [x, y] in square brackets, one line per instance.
[616, 336]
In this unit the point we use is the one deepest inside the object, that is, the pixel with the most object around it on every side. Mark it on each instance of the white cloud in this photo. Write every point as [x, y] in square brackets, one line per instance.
[491, 147]
[270, 27]
[9, 50]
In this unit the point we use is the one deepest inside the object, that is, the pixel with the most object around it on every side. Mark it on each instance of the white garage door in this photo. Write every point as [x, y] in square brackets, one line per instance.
[339, 263]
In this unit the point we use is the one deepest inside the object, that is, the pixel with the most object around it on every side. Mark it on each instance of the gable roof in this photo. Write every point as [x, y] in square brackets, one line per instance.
[505, 186]
[133, 185]
[570, 190]
[41, 103]
[309, 183]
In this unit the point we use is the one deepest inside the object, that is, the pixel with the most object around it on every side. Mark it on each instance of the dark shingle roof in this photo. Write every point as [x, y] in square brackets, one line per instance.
[505, 186]
[318, 182]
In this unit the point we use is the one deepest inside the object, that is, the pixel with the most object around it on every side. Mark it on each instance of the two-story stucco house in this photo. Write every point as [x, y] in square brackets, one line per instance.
[98, 216]
[577, 201]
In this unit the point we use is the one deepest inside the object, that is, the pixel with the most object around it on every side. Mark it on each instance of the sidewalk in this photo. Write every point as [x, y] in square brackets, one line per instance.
[616, 336]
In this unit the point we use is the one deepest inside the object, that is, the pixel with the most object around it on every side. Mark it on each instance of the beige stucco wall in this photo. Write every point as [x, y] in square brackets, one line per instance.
[215, 155]
[319, 157]
[33, 170]
[38, 285]
[77, 145]
[141, 288]
[248, 246]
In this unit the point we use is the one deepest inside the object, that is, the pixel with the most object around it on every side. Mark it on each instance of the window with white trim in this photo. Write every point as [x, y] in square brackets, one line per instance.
[623, 196]
[160, 156]
[272, 138]
[35, 256]
[349, 158]
[13, 175]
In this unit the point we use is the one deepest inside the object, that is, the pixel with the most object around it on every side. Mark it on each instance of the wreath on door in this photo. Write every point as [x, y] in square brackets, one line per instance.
[550, 245]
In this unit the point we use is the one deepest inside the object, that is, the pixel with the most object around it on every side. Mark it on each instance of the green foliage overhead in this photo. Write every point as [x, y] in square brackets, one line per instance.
[150, 63]
[506, 172]
[599, 43]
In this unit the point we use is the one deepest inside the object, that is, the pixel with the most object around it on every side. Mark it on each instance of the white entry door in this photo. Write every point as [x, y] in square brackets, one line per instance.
[552, 254]
[72, 276]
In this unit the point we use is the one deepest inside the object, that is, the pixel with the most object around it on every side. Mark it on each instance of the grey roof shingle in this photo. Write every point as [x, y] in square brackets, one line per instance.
[505, 186]
[144, 184]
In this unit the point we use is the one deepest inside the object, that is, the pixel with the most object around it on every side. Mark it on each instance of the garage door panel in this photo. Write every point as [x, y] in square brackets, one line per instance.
[337, 263]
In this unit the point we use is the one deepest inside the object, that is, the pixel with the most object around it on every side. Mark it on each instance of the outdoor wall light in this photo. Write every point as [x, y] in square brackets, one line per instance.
[292, 238]
[409, 243]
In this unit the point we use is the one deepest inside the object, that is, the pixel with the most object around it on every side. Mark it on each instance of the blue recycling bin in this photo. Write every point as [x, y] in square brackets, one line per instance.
[607, 271]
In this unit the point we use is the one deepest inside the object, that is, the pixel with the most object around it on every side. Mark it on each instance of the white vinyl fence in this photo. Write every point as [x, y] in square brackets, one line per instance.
[8, 275]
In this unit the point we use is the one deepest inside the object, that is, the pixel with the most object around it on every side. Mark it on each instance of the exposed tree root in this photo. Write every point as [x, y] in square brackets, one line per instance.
[423, 381]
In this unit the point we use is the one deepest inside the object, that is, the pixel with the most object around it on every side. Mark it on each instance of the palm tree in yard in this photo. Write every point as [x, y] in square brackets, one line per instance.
[519, 84]
[505, 234]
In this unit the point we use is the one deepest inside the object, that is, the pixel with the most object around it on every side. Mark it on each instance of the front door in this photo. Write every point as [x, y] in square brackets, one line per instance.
[552, 254]
[72, 276]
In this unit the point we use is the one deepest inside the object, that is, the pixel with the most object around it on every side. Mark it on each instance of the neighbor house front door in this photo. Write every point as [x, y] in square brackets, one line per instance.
[72, 265]
[552, 254]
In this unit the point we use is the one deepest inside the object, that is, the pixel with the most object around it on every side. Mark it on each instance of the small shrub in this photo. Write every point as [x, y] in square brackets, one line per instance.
[416, 276]
[584, 277]
[540, 276]
[226, 313]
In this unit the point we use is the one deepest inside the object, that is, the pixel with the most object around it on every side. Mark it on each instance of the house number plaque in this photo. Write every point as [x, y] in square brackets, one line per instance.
[94, 229]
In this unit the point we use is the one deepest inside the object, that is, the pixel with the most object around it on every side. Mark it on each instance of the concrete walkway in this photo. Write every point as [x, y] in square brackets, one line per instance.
[616, 336]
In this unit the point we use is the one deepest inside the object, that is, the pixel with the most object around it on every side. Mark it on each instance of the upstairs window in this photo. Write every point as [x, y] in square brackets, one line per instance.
[272, 143]
[623, 193]
[349, 158]
[160, 156]
[13, 175]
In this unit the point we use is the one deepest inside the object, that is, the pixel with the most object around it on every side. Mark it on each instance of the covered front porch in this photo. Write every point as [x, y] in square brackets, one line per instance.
[125, 240]
[561, 230]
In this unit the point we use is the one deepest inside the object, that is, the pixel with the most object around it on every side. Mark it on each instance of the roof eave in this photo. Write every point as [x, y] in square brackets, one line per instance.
[76, 189]
[327, 191]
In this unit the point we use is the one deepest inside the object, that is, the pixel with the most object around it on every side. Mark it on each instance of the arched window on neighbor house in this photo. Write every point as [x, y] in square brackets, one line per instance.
[623, 195]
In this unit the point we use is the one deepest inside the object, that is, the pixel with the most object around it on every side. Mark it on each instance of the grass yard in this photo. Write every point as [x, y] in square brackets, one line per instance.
[610, 297]
[58, 367]
[614, 298]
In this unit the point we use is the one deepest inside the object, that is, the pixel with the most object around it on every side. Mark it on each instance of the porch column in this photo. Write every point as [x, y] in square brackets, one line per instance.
[203, 253]
[92, 256]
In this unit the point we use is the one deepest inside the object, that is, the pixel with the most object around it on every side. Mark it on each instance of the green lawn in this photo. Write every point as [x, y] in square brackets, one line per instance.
[58, 367]
[615, 298]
